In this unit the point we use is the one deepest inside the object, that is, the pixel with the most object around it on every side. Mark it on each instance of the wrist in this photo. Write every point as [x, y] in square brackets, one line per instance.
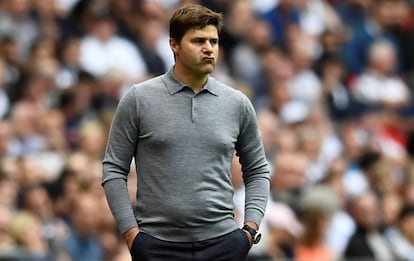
[252, 225]
[252, 231]
[130, 235]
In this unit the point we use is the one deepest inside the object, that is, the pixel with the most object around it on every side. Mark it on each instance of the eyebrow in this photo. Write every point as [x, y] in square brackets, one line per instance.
[204, 38]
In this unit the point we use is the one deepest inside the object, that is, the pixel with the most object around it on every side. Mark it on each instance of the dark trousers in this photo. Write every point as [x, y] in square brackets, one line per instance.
[233, 246]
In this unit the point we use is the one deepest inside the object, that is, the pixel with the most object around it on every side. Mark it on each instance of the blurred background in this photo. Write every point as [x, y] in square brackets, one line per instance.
[331, 80]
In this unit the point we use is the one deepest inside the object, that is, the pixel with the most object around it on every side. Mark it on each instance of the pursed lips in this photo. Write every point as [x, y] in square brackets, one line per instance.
[208, 59]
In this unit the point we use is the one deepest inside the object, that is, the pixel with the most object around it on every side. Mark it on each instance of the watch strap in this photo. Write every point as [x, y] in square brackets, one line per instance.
[255, 235]
[251, 230]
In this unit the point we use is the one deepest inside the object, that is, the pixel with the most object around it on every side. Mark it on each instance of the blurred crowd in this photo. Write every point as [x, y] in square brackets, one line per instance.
[331, 80]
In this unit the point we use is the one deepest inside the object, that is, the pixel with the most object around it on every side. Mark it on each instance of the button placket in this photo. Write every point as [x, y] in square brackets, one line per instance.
[193, 108]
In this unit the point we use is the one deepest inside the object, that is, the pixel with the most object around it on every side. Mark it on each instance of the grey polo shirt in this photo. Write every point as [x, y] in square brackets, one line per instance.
[183, 145]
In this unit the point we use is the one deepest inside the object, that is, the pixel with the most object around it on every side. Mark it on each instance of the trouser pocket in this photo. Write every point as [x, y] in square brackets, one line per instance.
[136, 248]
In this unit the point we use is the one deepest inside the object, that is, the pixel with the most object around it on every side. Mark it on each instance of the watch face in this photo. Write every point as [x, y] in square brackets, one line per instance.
[257, 238]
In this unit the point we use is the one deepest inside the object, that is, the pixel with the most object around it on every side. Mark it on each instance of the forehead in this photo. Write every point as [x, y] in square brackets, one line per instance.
[209, 31]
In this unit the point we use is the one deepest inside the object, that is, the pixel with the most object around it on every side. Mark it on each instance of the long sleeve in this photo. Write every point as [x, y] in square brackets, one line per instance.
[255, 168]
[121, 147]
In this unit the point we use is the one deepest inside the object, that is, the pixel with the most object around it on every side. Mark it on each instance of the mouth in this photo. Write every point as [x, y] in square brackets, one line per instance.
[208, 59]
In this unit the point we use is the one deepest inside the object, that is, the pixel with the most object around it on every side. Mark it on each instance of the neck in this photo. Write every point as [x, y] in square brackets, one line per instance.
[194, 81]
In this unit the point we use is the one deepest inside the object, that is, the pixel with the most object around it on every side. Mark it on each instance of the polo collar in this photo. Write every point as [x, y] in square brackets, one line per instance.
[174, 85]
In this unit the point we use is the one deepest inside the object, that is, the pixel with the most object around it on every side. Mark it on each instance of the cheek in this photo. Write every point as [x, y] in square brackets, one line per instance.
[190, 52]
[216, 50]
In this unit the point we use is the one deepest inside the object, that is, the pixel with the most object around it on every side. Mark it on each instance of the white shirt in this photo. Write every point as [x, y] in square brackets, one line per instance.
[373, 89]
[4, 103]
[306, 86]
[99, 57]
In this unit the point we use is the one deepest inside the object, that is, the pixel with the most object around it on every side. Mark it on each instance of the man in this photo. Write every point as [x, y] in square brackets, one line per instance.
[401, 234]
[368, 241]
[182, 129]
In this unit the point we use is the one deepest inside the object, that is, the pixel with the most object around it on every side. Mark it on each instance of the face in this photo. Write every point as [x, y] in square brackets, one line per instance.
[366, 212]
[198, 50]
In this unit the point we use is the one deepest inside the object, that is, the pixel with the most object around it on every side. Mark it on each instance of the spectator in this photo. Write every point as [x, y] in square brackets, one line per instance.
[276, 72]
[25, 137]
[238, 21]
[102, 50]
[268, 126]
[288, 178]
[375, 26]
[13, 71]
[26, 231]
[336, 95]
[8, 185]
[353, 13]
[282, 17]
[149, 34]
[5, 138]
[316, 207]
[35, 200]
[6, 241]
[368, 240]
[284, 230]
[401, 235]
[48, 18]
[391, 205]
[17, 23]
[83, 243]
[246, 56]
[341, 226]
[319, 142]
[4, 97]
[69, 69]
[378, 86]
[304, 84]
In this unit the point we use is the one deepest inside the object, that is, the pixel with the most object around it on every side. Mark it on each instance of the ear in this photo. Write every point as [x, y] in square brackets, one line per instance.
[174, 45]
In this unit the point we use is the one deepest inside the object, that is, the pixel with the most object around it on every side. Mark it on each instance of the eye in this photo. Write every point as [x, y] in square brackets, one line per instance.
[199, 41]
[214, 41]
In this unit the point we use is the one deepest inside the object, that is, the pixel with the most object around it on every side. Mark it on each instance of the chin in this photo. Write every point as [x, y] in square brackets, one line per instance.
[209, 69]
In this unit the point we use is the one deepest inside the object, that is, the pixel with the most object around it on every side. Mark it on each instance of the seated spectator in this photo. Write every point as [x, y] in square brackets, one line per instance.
[150, 31]
[368, 240]
[26, 232]
[246, 57]
[69, 58]
[13, 71]
[5, 138]
[288, 178]
[83, 243]
[378, 22]
[341, 226]
[4, 97]
[6, 241]
[18, 23]
[316, 208]
[337, 97]
[304, 85]
[8, 183]
[35, 200]
[25, 138]
[378, 86]
[401, 236]
[268, 126]
[391, 205]
[284, 230]
[378, 172]
[320, 143]
[102, 50]
[284, 15]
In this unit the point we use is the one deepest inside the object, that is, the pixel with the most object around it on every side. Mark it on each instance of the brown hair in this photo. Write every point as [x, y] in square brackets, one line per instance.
[193, 17]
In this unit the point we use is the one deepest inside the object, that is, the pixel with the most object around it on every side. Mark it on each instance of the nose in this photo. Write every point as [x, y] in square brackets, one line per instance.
[207, 48]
